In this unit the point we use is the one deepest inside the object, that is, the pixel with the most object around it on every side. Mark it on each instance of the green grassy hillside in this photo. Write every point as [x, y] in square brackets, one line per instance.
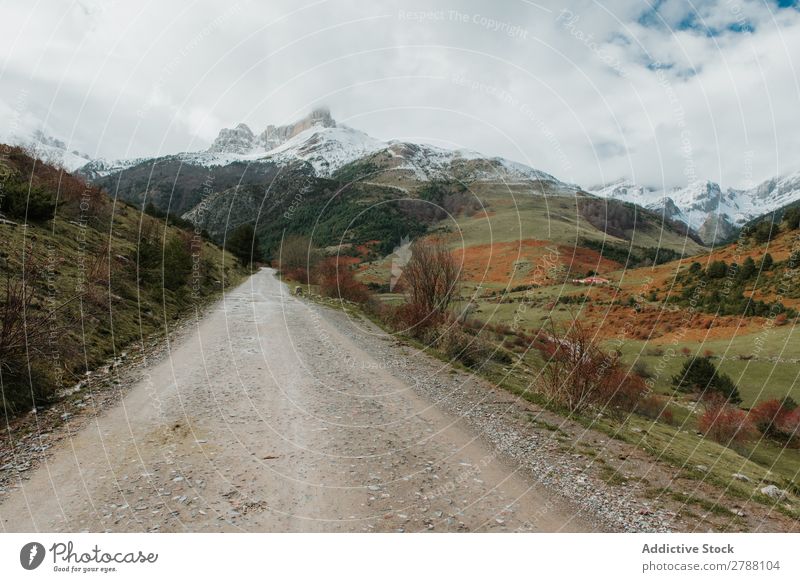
[83, 277]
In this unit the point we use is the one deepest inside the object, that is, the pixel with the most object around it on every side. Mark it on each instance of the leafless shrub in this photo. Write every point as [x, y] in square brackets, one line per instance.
[26, 331]
[430, 280]
[579, 374]
[724, 423]
[336, 279]
[456, 344]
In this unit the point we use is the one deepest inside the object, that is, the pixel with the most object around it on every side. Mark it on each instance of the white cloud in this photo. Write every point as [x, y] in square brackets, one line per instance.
[574, 94]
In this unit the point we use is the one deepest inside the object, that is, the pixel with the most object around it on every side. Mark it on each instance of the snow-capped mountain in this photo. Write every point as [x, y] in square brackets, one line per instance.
[625, 189]
[327, 149]
[426, 162]
[50, 150]
[704, 206]
[327, 146]
[101, 167]
[776, 192]
[316, 139]
[274, 136]
[239, 140]
[323, 147]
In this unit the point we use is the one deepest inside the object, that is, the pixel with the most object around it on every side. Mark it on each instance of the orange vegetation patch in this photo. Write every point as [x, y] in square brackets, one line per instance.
[483, 214]
[580, 260]
[365, 249]
[527, 261]
[709, 327]
[502, 262]
[772, 295]
[665, 326]
[780, 248]
[344, 260]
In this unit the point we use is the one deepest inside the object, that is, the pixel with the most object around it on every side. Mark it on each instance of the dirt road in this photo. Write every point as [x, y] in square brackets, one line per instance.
[276, 414]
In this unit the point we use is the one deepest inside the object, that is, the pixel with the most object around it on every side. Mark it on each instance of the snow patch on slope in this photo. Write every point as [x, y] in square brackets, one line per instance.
[327, 149]
[49, 149]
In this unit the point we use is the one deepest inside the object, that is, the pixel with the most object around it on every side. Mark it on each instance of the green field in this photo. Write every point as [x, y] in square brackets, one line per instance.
[519, 214]
[774, 372]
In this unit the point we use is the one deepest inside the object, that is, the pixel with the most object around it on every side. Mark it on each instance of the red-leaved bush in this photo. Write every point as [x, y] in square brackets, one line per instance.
[337, 280]
[624, 389]
[767, 415]
[655, 407]
[789, 427]
[415, 320]
[724, 423]
[580, 374]
[777, 419]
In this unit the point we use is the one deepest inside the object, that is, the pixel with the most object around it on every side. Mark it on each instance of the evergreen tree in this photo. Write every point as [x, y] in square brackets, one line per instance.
[701, 375]
[765, 231]
[792, 218]
[177, 263]
[243, 243]
[717, 270]
[748, 269]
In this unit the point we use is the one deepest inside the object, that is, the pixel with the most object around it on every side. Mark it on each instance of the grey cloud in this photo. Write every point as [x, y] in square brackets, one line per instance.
[511, 79]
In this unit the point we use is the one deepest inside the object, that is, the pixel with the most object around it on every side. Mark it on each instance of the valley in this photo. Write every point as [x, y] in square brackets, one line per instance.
[681, 346]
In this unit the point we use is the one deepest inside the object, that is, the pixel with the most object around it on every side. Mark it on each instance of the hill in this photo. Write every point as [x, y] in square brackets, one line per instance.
[731, 309]
[86, 278]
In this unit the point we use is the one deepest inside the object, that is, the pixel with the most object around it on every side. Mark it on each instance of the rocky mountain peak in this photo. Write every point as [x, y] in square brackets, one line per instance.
[238, 140]
[274, 136]
[703, 195]
[242, 140]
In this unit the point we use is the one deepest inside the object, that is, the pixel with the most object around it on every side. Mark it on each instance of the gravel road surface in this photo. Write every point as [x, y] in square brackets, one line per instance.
[278, 414]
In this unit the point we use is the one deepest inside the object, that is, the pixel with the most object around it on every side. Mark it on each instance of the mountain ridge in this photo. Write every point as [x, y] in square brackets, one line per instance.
[329, 148]
[713, 212]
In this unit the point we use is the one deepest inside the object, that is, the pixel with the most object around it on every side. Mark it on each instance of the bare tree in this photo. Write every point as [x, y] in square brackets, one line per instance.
[579, 373]
[431, 278]
[21, 326]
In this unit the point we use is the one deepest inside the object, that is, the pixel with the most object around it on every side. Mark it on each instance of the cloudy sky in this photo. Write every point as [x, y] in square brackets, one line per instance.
[662, 91]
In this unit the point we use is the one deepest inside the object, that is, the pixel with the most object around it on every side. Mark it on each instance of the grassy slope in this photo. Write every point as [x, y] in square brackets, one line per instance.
[761, 355]
[516, 214]
[503, 245]
[763, 359]
[118, 308]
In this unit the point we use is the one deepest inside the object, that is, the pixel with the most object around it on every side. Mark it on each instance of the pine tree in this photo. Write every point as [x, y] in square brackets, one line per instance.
[701, 375]
[717, 270]
[792, 218]
[243, 243]
[765, 231]
[748, 269]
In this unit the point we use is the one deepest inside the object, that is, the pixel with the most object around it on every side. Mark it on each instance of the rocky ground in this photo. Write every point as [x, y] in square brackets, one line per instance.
[273, 413]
